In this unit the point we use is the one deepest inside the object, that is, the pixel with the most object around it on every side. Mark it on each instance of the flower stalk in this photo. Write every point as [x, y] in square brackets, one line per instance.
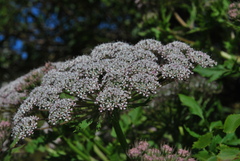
[118, 130]
[120, 135]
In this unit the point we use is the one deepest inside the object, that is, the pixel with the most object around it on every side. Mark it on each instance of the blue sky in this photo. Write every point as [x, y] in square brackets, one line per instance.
[17, 44]
[18, 47]
[51, 22]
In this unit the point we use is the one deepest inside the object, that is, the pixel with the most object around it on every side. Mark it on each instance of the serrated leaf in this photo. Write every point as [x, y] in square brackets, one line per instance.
[205, 155]
[203, 141]
[216, 140]
[193, 106]
[229, 154]
[231, 123]
[84, 124]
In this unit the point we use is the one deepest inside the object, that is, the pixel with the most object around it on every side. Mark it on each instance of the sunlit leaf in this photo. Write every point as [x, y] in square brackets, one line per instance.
[229, 154]
[231, 123]
[203, 141]
[191, 103]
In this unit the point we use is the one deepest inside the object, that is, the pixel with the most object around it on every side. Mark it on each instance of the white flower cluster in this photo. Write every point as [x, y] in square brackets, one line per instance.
[111, 98]
[107, 77]
[25, 127]
[178, 58]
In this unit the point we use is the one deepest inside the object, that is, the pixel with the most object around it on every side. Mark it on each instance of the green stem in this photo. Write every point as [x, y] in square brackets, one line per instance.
[87, 135]
[76, 150]
[121, 137]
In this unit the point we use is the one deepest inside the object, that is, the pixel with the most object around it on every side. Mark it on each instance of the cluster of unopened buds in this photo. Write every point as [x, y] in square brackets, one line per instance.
[143, 151]
[234, 11]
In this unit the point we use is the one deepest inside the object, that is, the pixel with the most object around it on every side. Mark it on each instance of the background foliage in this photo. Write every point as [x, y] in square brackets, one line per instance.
[184, 114]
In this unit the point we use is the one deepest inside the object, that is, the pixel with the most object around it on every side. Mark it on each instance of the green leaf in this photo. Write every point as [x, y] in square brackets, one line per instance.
[100, 153]
[231, 123]
[229, 137]
[234, 142]
[216, 140]
[73, 147]
[14, 143]
[213, 158]
[215, 124]
[212, 73]
[156, 31]
[125, 122]
[17, 149]
[113, 133]
[193, 15]
[203, 141]
[204, 155]
[192, 133]
[84, 124]
[229, 64]
[229, 154]
[193, 106]
[31, 147]
[137, 116]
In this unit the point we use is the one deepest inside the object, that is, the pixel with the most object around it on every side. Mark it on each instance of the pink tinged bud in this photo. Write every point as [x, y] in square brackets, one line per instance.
[191, 159]
[180, 159]
[142, 145]
[134, 152]
[171, 156]
[154, 151]
[183, 153]
[148, 157]
[4, 124]
[167, 149]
